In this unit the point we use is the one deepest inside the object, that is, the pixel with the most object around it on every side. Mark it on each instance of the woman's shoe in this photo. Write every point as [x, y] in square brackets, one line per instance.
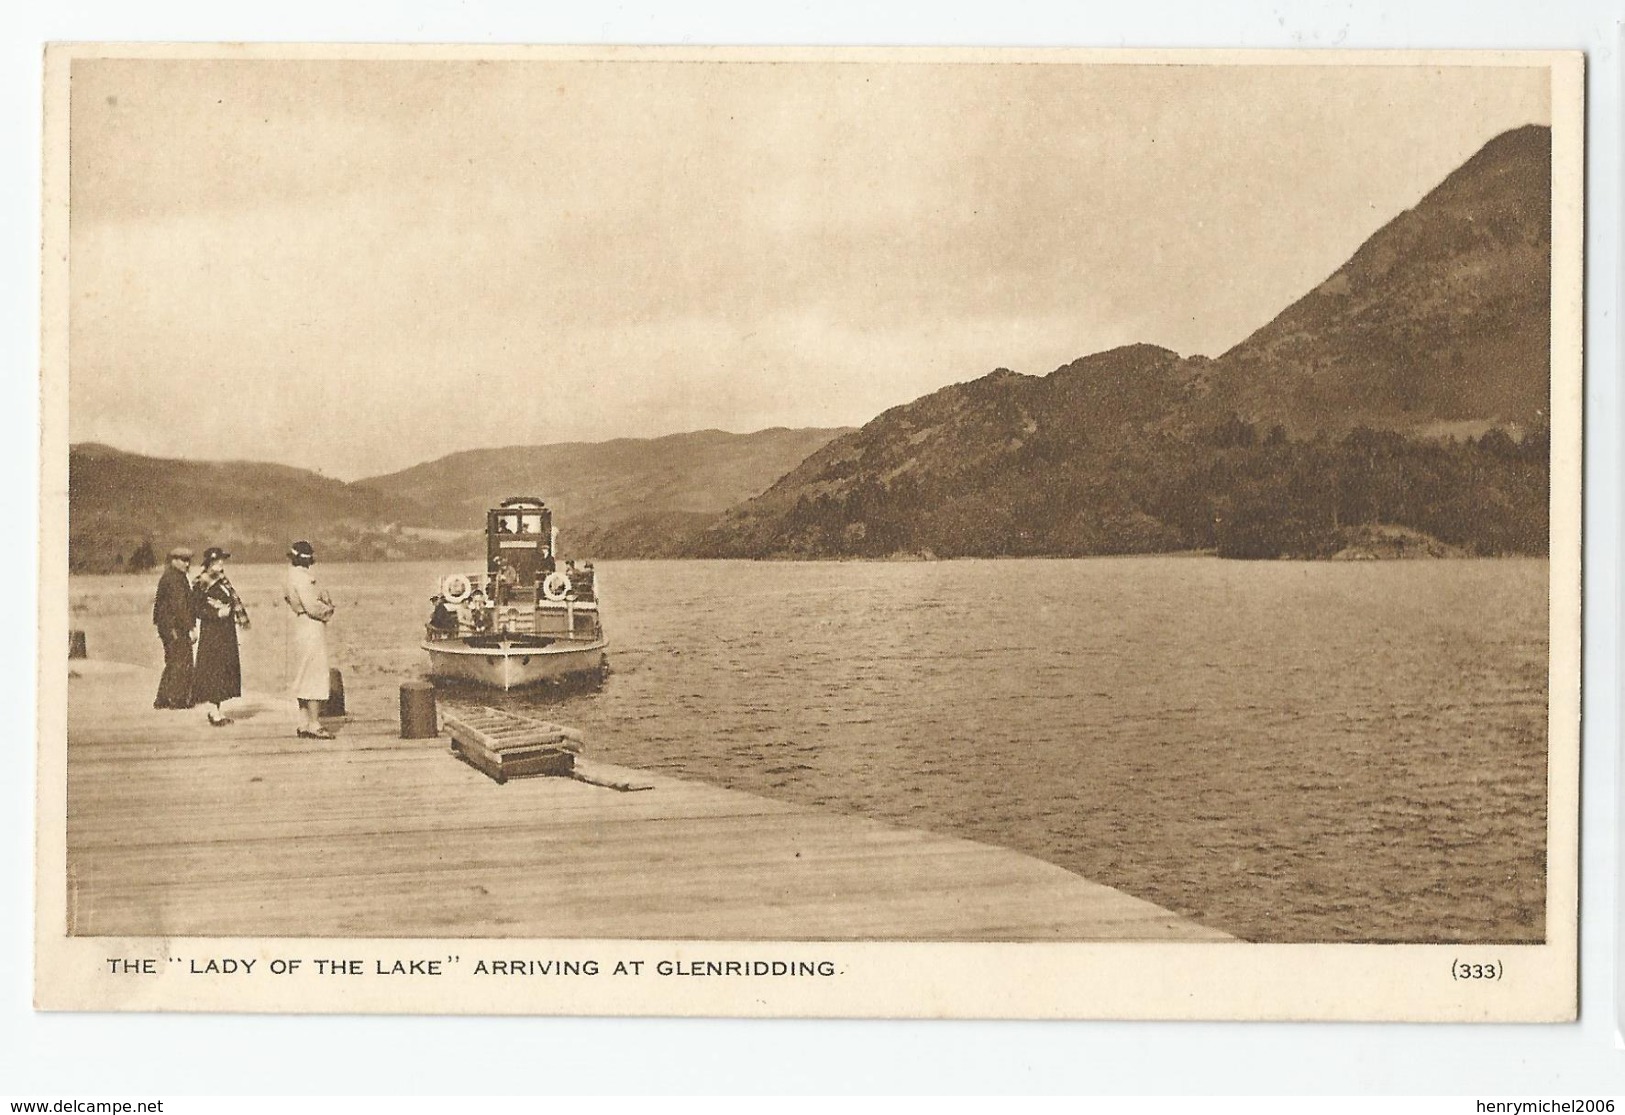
[319, 733]
[220, 722]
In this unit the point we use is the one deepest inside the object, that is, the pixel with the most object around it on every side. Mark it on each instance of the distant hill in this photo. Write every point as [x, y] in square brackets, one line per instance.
[621, 498]
[1324, 419]
[117, 501]
[625, 498]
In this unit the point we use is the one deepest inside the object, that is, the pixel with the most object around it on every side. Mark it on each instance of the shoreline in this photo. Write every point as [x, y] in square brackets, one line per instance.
[1181, 555]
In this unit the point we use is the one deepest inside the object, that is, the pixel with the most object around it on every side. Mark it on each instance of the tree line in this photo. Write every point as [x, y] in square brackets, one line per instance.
[1230, 488]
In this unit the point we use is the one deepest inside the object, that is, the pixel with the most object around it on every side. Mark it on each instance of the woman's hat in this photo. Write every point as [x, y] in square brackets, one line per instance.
[301, 549]
[212, 553]
[181, 552]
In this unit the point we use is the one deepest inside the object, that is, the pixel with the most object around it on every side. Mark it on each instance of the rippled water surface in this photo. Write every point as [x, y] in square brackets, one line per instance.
[1288, 751]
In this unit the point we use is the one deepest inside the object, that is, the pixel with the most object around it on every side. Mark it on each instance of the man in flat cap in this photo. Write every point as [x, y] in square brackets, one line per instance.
[173, 617]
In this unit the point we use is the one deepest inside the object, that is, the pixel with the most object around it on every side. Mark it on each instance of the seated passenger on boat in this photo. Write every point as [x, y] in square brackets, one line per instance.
[443, 621]
[479, 609]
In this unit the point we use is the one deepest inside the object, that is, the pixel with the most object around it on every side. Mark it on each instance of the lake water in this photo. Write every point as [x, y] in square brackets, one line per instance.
[1287, 751]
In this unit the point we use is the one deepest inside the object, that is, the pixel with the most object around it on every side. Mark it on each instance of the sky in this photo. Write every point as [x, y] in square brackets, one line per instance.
[356, 266]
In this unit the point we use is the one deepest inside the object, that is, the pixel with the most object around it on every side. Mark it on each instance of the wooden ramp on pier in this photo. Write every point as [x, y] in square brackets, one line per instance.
[179, 829]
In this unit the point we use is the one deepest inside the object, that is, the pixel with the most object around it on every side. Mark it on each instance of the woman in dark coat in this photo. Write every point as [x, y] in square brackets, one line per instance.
[218, 675]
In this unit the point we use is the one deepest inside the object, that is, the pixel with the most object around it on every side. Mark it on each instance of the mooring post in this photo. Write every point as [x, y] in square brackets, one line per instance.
[418, 717]
[76, 645]
[334, 705]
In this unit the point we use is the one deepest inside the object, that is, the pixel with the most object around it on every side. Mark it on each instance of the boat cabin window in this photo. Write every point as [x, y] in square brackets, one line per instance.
[521, 521]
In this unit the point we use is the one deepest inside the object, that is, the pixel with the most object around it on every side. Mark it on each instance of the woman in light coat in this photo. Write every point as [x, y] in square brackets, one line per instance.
[312, 608]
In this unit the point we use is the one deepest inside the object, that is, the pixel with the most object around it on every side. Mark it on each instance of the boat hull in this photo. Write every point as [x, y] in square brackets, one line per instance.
[515, 667]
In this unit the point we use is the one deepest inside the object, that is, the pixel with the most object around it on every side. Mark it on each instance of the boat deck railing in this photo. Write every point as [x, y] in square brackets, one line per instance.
[502, 609]
[582, 633]
[567, 619]
[581, 593]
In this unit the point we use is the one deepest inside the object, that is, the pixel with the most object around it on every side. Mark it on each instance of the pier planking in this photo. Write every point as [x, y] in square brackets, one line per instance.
[179, 829]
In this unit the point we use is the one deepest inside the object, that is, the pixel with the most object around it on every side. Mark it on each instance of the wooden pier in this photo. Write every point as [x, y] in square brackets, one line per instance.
[176, 828]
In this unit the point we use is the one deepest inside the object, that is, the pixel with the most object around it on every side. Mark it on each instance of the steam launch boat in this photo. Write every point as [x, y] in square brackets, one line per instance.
[524, 619]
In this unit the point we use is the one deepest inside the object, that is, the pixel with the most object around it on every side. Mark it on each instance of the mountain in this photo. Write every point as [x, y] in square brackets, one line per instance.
[1442, 317]
[118, 500]
[1007, 464]
[623, 498]
[1326, 419]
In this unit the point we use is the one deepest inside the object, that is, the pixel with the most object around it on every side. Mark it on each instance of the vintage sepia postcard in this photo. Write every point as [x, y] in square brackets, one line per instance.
[810, 532]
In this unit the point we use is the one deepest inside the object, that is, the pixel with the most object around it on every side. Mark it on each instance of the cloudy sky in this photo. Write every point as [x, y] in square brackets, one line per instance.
[355, 266]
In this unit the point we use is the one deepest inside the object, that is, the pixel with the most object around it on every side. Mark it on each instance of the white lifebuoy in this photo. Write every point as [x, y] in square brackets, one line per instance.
[456, 588]
[556, 587]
